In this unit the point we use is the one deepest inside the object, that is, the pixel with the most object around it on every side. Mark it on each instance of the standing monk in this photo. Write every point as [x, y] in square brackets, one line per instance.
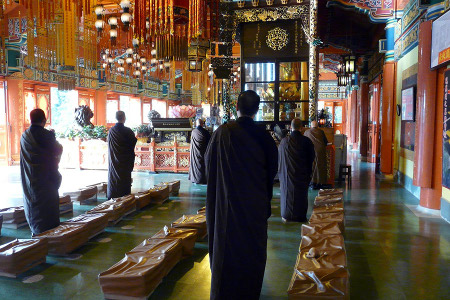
[121, 142]
[241, 164]
[199, 142]
[320, 142]
[39, 159]
[296, 156]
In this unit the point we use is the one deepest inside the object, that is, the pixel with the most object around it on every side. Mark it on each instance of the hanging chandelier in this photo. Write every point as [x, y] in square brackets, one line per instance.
[99, 23]
[126, 16]
[349, 64]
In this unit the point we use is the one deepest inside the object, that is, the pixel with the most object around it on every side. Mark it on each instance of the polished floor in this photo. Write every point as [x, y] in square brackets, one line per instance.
[392, 254]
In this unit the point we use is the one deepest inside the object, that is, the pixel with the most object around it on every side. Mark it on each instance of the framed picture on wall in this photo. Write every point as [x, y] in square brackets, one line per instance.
[408, 104]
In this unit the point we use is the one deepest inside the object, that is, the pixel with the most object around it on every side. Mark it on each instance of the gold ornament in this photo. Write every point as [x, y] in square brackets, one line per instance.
[277, 38]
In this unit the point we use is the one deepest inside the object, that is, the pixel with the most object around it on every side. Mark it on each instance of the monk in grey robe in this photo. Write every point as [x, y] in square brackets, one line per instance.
[39, 159]
[121, 142]
[295, 159]
[199, 142]
[241, 164]
[317, 136]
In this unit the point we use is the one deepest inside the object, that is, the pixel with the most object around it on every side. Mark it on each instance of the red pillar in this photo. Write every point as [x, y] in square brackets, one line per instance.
[354, 120]
[431, 197]
[100, 111]
[425, 111]
[363, 142]
[387, 124]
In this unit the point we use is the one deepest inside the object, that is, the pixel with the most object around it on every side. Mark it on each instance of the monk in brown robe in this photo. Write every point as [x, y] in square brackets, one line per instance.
[317, 136]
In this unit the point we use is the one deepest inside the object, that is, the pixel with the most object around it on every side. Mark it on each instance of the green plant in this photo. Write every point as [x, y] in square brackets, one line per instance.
[86, 133]
[141, 130]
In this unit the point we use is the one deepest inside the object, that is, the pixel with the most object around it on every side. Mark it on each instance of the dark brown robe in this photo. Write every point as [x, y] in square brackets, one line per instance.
[199, 142]
[39, 152]
[121, 143]
[241, 164]
[295, 159]
[320, 142]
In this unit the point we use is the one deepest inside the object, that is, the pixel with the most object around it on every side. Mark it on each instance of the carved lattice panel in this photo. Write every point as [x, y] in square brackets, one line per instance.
[164, 160]
[183, 161]
[143, 160]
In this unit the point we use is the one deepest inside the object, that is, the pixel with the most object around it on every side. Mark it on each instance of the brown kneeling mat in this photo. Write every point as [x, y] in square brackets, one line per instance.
[136, 276]
[330, 199]
[322, 242]
[324, 192]
[328, 218]
[319, 284]
[174, 186]
[171, 248]
[13, 215]
[64, 239]
[115, 208]
[95, 223]
[328, 208]
[321, 229]
[187, 237]
[143, 199]
[197, 222]
[159, 194]
[19, 256]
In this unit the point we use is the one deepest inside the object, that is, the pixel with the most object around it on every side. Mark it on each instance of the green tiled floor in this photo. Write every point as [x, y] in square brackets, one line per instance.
[391, 253]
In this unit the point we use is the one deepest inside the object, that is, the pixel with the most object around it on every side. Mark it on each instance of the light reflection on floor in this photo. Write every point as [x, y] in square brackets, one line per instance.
[392, 254]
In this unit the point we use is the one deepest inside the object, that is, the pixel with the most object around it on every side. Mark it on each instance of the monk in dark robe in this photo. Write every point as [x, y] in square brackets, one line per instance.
[241, 164]
[199, 142]
[317, 136]
[39, 159]
[121, 142]
[295, 159]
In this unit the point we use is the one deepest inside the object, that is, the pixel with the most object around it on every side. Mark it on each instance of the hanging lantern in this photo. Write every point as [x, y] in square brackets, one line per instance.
[255, 3]
[99, 23]
[269, 2]
[143, 60]
[349, 64]
[120, 61]
[105, 65]
[135, 43]
[129, 51]
[144, 68]
[153, 62]
[129, 60]
[137, 73]
[197, 53]
[126, 16]
[153, 52]
[241, 3]
[113, 32]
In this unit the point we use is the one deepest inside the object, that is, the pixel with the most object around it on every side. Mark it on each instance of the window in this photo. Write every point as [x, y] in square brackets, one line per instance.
[112, 106]
[161, 107]
[63, 106]
[283, 88]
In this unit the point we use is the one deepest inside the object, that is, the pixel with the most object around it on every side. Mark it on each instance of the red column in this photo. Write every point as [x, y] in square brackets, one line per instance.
[100, 107]
[425, 111]
[431, 197]
[387, 123]
[16, 117]
[363, 142]
[354, 119]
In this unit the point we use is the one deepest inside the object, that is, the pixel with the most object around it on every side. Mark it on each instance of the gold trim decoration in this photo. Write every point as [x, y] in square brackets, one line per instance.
[277, 38]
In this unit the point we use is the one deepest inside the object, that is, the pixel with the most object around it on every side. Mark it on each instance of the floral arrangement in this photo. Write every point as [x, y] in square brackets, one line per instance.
[182, 111]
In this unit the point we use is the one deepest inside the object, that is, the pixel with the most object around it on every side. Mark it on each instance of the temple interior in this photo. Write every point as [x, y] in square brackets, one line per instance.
[353, 95]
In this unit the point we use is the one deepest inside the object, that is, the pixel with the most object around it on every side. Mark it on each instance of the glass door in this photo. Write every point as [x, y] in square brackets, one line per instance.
[283, 88]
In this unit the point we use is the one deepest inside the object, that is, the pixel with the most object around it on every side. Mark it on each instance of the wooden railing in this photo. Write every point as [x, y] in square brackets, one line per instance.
[162, 157]
[93, 155]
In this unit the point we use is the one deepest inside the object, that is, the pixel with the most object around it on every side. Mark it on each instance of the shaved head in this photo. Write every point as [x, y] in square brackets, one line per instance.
[314, 124]
[199, 122]
[296, 125]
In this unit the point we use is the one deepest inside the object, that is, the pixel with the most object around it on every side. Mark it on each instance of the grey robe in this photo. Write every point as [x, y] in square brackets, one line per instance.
[320, 142]
[41, 180]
